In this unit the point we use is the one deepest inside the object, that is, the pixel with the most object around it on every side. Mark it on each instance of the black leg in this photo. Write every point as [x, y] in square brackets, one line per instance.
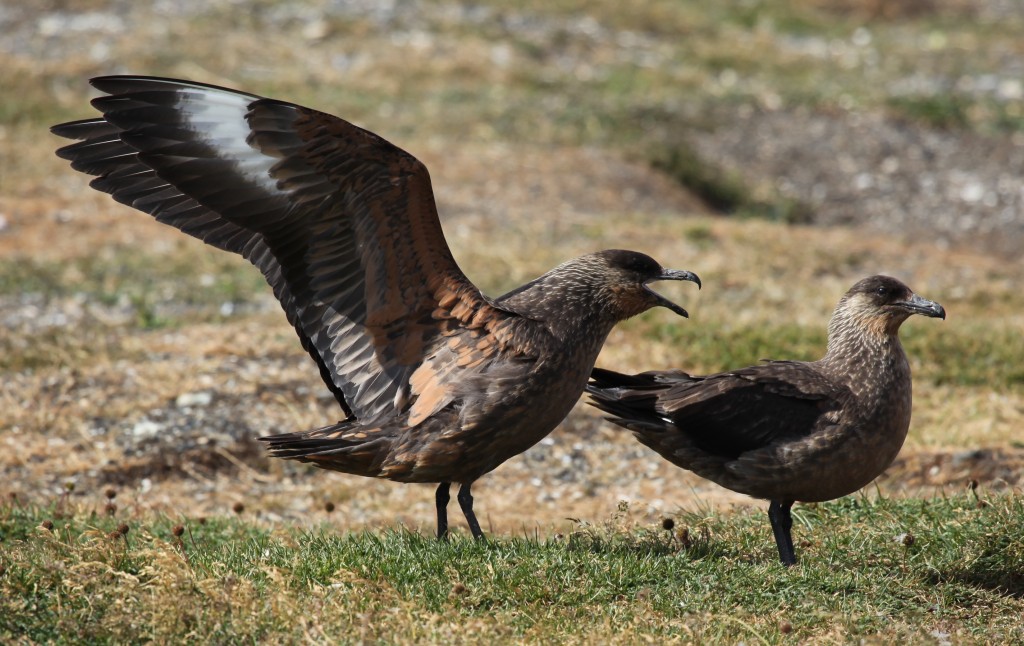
[466, 502]
[442, 497]
[782, 527]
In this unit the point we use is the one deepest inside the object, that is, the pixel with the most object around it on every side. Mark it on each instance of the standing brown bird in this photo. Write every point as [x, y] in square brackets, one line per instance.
[438, 382]
[786, 431]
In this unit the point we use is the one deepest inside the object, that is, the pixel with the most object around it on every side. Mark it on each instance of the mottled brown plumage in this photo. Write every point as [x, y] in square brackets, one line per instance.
[786, 431]
[438, 383]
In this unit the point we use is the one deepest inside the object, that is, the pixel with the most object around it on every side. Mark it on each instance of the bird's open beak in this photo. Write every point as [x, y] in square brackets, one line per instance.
[918, 305]
[672, 274]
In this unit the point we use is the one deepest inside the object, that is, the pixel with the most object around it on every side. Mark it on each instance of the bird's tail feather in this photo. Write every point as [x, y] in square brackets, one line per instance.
[631, 400]
[342, 447]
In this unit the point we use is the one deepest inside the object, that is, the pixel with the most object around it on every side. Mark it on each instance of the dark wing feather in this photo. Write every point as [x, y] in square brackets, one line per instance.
[342, 223]
[729, 413]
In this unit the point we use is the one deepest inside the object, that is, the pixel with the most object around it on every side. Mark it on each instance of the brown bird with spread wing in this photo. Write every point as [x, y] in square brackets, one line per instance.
[438, 382]
[786, 431]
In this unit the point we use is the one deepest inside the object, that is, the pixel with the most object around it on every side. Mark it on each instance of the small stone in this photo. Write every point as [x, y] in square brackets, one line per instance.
[192, 400]
[145, 429]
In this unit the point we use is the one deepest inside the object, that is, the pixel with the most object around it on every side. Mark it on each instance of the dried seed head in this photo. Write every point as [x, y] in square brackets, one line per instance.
[178, 530]
[110, 508]
[972, 485]
[13, 495]
[47, 525]
[201, 520]
[458, 589]
[114, 535]
[908, 539]
[328, 506]
[122, 529]
[69, 486]
[110, 493]
[668, 524]
[238, 508]
[785, 627]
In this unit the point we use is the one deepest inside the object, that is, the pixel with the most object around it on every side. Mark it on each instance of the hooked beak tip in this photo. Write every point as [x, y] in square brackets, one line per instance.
[925, 307]
[680, 274]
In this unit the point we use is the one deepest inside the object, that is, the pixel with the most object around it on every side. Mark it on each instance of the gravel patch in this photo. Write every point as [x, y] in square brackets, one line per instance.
[857, 169]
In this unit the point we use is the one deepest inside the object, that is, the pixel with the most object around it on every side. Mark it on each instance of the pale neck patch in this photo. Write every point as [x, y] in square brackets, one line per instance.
[858, 322]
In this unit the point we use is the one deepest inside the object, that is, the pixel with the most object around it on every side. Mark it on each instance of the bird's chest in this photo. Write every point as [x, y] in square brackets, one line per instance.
[865, 442]
[529, 408]
[514, 410]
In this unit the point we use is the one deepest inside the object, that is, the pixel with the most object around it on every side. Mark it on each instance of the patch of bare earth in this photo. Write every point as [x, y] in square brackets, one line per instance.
[884, 174]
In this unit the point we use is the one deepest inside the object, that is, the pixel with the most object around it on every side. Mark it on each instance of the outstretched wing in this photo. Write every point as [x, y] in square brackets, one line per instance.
[342, 223]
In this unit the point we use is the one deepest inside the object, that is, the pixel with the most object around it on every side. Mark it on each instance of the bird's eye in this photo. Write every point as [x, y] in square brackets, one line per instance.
[882, 291]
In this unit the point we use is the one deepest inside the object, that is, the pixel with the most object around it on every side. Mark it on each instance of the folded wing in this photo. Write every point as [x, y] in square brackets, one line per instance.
[725, 414]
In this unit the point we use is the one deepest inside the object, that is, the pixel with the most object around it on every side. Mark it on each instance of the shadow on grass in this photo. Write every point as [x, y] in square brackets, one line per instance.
[994, 569]
[1001, 580]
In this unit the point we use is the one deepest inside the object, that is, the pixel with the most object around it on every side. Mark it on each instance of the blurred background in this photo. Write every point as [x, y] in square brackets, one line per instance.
[782, 150]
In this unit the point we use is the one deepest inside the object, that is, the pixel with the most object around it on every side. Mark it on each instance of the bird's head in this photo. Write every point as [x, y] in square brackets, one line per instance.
[607, 286]
[624, 281]
[881, 304]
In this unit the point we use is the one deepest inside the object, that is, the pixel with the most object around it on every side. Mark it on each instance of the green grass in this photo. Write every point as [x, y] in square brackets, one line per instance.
[712, 577]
